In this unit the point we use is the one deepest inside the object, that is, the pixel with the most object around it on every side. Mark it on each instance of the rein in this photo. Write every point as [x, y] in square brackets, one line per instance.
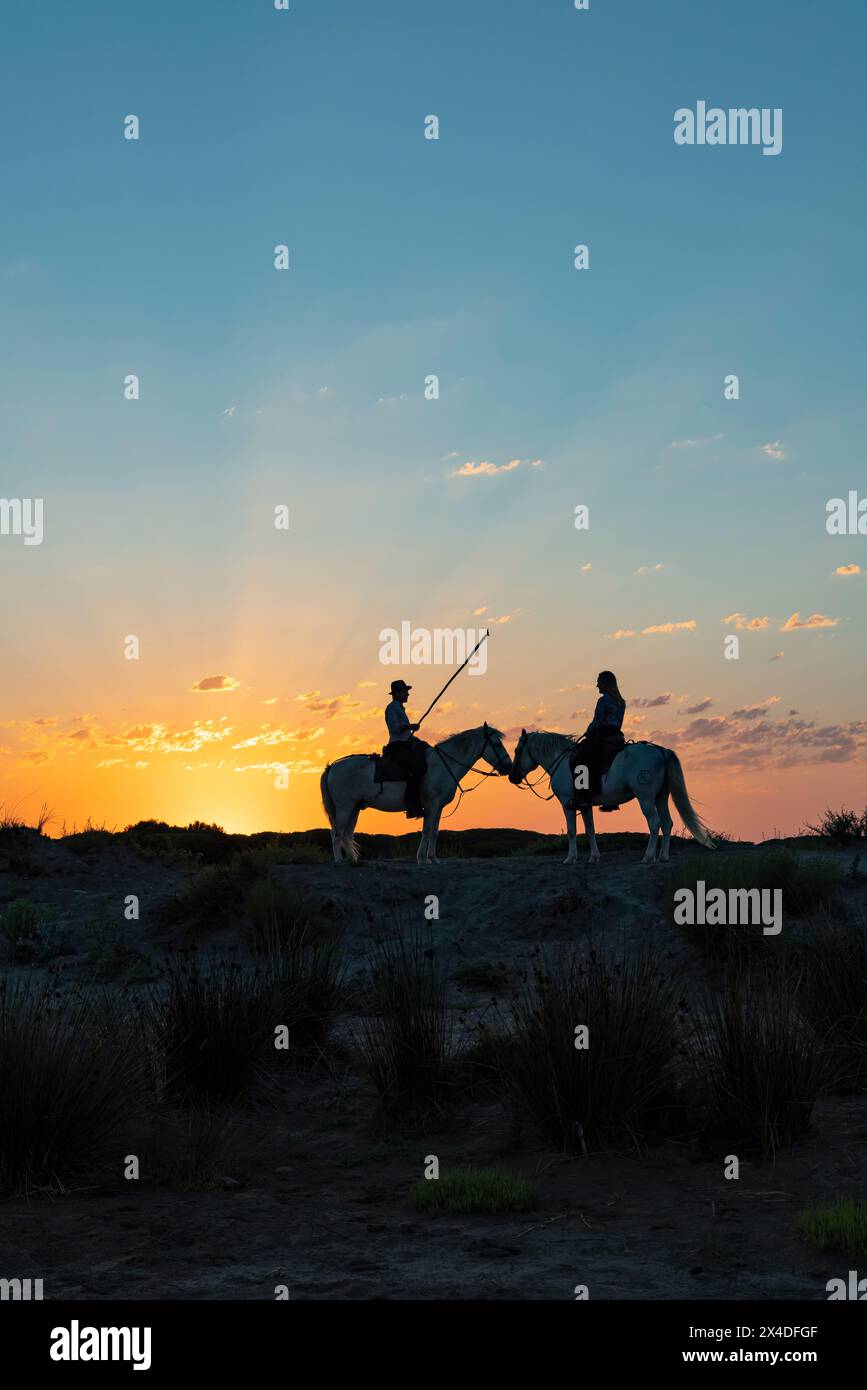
[546, 772]
[467, 767]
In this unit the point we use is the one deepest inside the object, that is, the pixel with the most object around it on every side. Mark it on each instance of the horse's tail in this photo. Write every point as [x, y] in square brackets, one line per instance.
[347, 840]
[680, 796]
[327, 798]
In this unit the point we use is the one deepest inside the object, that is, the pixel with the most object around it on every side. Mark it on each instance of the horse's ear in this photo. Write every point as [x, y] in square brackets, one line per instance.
[523, 733]
[486, 726]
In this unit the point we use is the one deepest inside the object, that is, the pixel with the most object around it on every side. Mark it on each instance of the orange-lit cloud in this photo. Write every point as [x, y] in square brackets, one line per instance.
[848, 569]
[814, 620]
[471, 469]
[215, 684]
[740, 620]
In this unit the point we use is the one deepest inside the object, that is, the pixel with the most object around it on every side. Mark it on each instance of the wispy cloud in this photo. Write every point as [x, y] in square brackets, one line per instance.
[651, 569]
[814, 620]
[740, 620]
[695, 443]
[774, 450]
[656, 629]
[215, 684]
[471, 469]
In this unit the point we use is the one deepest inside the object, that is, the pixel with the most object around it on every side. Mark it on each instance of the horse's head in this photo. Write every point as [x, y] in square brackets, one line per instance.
[523, 761]
[494, 751]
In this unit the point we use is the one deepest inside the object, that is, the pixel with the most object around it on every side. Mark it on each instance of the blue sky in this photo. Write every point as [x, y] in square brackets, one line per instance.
[412, 257]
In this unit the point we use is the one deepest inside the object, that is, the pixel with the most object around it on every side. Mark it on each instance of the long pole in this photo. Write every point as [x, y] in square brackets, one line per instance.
[451, 678]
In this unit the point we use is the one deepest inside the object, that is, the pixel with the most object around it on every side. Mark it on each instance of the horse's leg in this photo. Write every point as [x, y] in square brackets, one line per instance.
[421, 855]
[572, 856]
[666, 823]
[590, 832]
[335, 844]
[433, 835]
[651, 815]
[352, 850]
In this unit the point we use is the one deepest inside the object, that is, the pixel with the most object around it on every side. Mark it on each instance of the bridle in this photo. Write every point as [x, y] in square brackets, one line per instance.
[502, 768]
[521, 782]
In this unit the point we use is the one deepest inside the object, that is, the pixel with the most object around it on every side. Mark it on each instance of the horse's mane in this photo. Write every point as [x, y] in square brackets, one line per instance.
[549, 744]
[497, 733]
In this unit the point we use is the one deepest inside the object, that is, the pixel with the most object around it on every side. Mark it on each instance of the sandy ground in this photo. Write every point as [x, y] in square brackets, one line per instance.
[316, 1201]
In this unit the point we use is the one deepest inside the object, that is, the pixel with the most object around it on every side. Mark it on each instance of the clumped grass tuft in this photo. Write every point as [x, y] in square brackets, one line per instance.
[839, 1225]
[624, 1083]
[757, 1063]
[189, 1150]
[471, 1190]
[280, 916]
[212, 1023]
[408, 1044]
[835, 997]
[72, 1076]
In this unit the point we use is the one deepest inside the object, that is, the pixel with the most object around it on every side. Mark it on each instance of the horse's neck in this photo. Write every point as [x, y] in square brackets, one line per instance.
[462, 746]
[549, 747]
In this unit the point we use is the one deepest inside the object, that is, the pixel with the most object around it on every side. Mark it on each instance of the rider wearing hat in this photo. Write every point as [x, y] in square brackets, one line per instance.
[409, 752]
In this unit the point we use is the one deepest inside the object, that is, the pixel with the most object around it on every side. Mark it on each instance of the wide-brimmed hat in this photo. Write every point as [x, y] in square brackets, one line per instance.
[398, 687]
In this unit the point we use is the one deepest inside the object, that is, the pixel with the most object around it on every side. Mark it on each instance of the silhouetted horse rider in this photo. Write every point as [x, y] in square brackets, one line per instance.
[603, 728]
[409, 752]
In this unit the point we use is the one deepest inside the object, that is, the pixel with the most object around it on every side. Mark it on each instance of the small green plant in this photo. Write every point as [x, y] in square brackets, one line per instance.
[31, 931]
[110, 956]
[838, 1225]
[471, 1190]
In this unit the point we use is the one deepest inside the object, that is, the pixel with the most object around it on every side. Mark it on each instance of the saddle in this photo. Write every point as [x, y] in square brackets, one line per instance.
[389, 766]
[609, 747]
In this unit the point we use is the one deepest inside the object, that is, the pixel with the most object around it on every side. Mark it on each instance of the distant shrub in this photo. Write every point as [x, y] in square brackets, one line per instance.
[471, 1190]
[111, 957]
[841, 827]
[838, 1225]
[31, 931]
[808, 886]
[207, 898]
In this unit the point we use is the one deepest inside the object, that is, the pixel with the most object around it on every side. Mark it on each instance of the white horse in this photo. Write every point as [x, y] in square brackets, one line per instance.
[642, 770]
[348, 787]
